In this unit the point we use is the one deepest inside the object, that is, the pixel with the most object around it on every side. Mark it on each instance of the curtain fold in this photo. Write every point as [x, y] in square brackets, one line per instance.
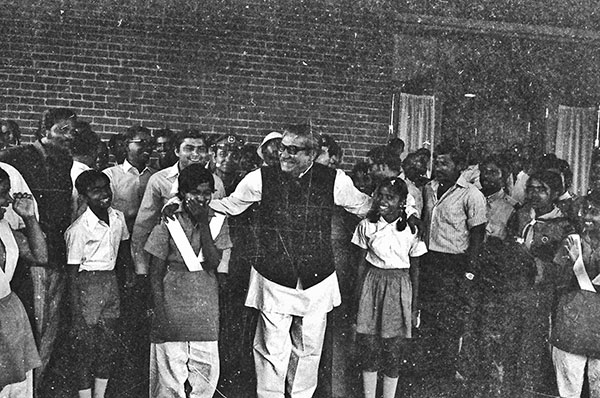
[575, 136]
[416, 121]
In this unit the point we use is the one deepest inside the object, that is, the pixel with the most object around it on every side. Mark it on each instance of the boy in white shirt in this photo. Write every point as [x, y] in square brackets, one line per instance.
[93, 245]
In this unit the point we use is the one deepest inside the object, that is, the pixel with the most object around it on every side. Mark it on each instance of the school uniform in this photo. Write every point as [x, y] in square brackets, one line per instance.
[571, 357]
[542, 237]
[385, 304]
[18, 355]
[46, 169]
[94, 246]
[162, 186]
[187, 347]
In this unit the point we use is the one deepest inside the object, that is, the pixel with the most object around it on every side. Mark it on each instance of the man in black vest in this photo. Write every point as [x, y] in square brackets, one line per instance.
[294, 284]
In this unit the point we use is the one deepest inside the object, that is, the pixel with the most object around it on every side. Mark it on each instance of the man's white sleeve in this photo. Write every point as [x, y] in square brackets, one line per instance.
[345, 194]
[248, 191]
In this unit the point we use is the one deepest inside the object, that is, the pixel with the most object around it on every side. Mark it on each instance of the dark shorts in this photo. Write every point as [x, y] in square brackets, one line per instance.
[98, 297]
[95, 349]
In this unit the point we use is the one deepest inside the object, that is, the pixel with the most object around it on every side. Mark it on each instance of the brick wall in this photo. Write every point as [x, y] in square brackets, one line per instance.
[238, 67]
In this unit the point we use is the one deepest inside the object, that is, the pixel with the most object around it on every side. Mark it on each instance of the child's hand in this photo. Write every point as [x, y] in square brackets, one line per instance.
[416, 318]
[197, 209]
[168, 212]
[573, 248]
[416, 225]
[23, 204]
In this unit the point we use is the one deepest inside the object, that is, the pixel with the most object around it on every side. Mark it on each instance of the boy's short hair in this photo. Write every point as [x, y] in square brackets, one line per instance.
[192, 176]
[132, 131]
[499, 160]
[458, 155]
[189, 133]
[383, 155]
[169, 134]
[87, 178]
[552, 178]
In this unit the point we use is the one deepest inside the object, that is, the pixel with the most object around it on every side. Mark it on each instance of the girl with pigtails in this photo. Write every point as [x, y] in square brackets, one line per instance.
[387, 286]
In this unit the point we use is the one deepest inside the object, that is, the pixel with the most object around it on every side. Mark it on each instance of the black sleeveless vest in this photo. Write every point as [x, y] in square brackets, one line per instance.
[295, 226]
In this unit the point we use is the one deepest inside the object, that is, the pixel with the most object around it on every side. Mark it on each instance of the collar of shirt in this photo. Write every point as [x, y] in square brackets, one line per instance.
[381, 223]
[91, 220]
[128, 167]
[460, 182]
[552, 214]
[173, 171]
[77, 165]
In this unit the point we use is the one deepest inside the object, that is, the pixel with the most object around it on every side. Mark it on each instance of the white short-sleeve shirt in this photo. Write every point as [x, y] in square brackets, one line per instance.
[92, 243]
[387, 247]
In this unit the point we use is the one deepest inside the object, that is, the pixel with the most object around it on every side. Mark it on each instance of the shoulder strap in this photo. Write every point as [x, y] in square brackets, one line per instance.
[579, 268]
[192, 262]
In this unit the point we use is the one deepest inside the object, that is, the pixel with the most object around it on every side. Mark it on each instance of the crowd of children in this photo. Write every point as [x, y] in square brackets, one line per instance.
[495, 263]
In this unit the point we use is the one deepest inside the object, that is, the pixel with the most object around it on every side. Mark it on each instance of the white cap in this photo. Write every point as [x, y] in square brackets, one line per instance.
[271, 136]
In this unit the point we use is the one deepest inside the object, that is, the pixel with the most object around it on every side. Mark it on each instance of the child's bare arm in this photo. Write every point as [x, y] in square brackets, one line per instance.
[414, 279]
[33, 248]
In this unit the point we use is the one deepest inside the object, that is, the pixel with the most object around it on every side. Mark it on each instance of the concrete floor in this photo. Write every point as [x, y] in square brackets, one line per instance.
[422, 375]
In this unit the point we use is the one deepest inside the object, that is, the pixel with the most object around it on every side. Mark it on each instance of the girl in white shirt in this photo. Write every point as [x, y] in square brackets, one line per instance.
[387, 285]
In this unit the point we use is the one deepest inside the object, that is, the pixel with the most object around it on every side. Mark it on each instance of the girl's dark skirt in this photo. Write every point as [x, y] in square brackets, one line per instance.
[384, 319]
[18, 353]
[385, 303]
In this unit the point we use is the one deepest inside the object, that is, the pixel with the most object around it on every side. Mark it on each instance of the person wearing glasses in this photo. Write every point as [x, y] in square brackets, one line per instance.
[128, 180]
[293, 284]
[226, 152]
[191, 147]
[46, 167]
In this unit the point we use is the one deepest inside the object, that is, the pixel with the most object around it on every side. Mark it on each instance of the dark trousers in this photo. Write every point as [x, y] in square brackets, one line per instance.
[445, 300]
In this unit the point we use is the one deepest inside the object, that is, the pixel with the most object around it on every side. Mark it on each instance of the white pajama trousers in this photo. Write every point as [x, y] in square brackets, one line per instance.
[174, 362]
[22, 389]
[287, 351]
[570, 369]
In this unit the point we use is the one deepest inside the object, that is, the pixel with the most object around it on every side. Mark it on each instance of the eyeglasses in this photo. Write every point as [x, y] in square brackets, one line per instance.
[143, 142]
[291, 149]
[193, 148]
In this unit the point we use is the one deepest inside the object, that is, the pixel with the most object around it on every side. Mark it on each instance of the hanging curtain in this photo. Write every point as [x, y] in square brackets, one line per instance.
[416, 121]
[575, 136]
